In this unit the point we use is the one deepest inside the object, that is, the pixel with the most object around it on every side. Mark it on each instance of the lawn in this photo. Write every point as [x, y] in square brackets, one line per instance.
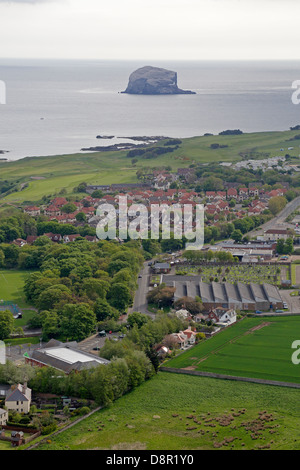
[11, 286]
[264, 352]
[179, 412]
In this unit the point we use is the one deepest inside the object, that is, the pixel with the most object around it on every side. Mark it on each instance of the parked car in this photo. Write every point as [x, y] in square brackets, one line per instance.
[279, 311]
[258, 311]
[102, 333]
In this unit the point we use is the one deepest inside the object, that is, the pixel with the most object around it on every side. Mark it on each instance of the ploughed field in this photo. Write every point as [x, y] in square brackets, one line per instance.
[253, 347]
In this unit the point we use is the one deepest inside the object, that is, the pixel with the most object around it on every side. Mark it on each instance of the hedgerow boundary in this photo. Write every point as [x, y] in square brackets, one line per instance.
[229, 377]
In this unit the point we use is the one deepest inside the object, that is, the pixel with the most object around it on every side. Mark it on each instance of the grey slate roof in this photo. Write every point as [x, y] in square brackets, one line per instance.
[222, 293]
[44, 356]
[16, 395]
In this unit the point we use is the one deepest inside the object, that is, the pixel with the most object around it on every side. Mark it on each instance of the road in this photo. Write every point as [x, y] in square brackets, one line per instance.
[140, 301]
[278, 221]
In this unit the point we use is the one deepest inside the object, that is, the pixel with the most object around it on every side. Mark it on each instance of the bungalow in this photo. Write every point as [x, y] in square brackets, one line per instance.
[162, 351]
[31, 239]
[20, 242]
[162, 268]
[91, 239]
[70, 238]
[54, 237]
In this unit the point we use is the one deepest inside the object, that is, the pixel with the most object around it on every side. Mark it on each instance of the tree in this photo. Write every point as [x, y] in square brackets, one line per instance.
[98, 194]
[52, 296]
[6, 324]
[77, 321]
[81, 188]
[95, 288]
[50, 324]
[138, 319]
[280, 246]
[69, 208]
[81, 217]
[119, 296]
[192, 305]
[161, 295]
[104, 311]
[289, 246]
[237, 235]
[276, 204]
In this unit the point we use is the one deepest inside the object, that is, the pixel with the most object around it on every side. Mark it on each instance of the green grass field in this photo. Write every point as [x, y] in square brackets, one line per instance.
[67, 171]
[253, 347]
[175, 412]
[11, 289]
[11, 286]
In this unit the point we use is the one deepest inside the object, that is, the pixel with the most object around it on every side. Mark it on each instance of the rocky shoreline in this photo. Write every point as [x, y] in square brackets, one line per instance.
[146, 140]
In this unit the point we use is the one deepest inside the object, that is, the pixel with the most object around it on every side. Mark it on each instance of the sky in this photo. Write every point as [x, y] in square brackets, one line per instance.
[150, 29]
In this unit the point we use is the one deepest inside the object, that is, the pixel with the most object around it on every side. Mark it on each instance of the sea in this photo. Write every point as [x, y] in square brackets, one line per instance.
[56, 107]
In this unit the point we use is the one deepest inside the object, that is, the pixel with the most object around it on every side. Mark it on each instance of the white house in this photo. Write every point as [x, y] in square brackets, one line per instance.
[223, 316]
[18, 398]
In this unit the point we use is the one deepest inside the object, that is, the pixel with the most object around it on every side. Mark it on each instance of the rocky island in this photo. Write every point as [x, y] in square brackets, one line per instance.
[154, 81]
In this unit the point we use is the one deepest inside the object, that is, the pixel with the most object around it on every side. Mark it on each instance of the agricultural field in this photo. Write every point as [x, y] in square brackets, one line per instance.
[49, 175]
[270, 274]
[180, 412]
[253, 347]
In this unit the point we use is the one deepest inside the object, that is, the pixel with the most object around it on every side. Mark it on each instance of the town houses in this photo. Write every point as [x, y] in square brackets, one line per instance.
[234, 202]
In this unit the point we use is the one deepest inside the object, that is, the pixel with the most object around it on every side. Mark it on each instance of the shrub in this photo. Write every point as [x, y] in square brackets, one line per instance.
[49, 429]
[84, 410]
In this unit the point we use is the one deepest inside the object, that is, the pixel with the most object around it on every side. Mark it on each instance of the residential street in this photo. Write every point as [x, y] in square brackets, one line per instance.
[278, 221]
[140, 301]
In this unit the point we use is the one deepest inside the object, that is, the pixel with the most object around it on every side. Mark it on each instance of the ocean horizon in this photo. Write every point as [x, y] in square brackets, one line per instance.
[56, 107]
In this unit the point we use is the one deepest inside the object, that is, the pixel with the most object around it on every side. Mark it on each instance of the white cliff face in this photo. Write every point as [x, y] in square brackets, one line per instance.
[154, 81]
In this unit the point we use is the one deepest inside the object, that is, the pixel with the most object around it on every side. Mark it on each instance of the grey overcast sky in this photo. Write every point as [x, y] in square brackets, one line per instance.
[150, 29]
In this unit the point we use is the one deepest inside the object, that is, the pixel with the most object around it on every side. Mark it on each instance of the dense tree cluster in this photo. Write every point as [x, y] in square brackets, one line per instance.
[81, 283]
